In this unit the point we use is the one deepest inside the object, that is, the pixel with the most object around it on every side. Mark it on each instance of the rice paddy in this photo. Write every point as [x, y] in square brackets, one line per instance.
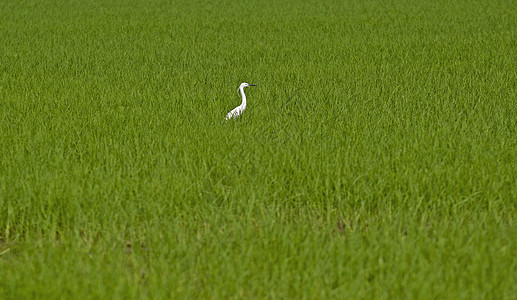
[376, 157]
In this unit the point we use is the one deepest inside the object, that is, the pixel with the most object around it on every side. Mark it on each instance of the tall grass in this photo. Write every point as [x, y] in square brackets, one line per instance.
[376, 158]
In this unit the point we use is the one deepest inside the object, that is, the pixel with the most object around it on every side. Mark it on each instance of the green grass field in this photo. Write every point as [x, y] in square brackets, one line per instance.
[377, 157]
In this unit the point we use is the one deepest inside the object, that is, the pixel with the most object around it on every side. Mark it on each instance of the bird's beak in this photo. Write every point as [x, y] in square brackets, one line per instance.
[253, 85]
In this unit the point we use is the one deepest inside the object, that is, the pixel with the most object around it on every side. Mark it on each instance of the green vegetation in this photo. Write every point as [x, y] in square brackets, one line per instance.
[377, 157]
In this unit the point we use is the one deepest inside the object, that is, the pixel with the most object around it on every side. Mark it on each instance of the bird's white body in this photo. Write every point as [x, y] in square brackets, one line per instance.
[236, 111]
[239, 109]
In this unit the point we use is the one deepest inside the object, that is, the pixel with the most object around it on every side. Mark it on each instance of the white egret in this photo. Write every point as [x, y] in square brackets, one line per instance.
[239, 109]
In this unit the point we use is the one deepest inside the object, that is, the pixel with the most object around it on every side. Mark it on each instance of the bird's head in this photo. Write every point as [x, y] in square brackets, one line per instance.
[245, 84]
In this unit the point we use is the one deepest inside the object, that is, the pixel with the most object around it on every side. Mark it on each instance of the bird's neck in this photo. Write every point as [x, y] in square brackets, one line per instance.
[243, 104]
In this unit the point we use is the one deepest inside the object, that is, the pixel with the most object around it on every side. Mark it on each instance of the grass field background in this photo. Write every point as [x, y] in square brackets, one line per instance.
[377, 157]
